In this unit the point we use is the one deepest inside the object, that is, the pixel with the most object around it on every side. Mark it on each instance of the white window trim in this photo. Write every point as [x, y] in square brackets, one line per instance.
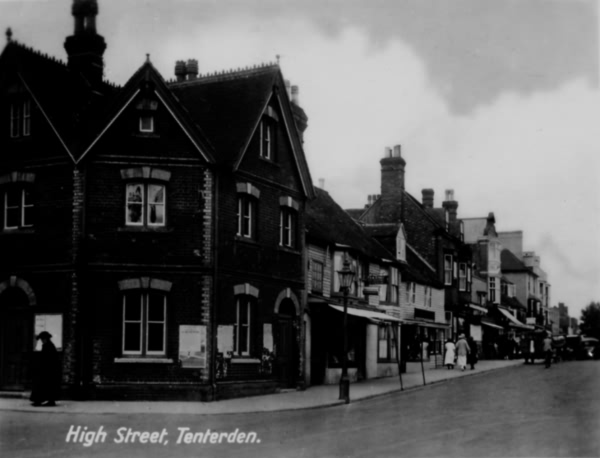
[144, 320]
[243, 216]
[286, 227]
[151, 129]
[448, 269]
[145, 204]
[22, 207]
[26, 118]
[265, 127]
[240, 301]
[462, 276]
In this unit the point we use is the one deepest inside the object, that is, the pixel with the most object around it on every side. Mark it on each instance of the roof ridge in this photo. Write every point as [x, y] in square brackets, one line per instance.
[38, 53]
[227, 74]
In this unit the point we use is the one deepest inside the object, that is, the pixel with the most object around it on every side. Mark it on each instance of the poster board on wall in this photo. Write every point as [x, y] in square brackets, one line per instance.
[268, 336]
[52, 323]
[225, 338]
[192, 346]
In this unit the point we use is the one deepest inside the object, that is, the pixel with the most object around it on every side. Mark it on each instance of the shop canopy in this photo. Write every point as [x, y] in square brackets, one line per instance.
[368, 314]
[479, 308]
[425, 324]
[490, 324]
[513, 321]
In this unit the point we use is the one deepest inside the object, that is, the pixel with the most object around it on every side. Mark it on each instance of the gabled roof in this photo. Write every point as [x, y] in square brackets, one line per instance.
[419, 271]
[229, 106]
[510, 263]
[148, 79]
[65, 98]
[355, 213]
[327, 222]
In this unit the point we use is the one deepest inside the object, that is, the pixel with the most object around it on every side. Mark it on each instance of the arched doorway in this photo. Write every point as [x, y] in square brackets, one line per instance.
[16, 338]
[287, 344]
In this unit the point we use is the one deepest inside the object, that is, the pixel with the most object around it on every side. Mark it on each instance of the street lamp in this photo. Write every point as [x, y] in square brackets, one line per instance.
[346, 276]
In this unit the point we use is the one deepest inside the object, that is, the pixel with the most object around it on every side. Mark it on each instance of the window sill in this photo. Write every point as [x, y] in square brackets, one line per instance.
[145, 135]
[269, 161]
[18, 231]
[150, 229]
[239, 360]
[157, 360]
[288, 249]
[249, 241]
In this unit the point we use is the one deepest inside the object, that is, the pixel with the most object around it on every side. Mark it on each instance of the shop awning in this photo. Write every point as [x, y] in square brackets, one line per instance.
[513, 321]
[368, 314]
[479, 308]
[490, 324]
[425, 324]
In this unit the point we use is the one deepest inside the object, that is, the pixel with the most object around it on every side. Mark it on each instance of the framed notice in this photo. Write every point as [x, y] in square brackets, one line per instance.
[268, 336]
[52, 323]
[192, 346]
[225, 338]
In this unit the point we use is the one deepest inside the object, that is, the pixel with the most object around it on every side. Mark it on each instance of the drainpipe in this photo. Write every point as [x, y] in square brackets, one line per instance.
[213, 304]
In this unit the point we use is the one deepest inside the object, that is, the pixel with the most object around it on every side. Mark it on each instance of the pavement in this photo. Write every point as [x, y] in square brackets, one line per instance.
[311, 398]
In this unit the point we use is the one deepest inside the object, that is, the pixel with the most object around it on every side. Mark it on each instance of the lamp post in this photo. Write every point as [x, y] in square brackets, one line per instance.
[346, 276]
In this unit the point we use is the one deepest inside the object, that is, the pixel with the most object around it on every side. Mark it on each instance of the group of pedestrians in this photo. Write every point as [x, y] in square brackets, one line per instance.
[461, 353]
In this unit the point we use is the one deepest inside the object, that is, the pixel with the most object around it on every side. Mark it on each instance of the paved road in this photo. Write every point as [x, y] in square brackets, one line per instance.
[520, 411]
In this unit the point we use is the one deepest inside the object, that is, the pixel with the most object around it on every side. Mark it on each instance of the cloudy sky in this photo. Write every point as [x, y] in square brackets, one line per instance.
[496, 99]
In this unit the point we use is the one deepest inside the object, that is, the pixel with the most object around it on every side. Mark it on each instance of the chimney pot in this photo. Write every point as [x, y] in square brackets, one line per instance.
[427, 197]
[180, 70]
[192, 69]
[397, 151]
[387, 152]
[449, 194]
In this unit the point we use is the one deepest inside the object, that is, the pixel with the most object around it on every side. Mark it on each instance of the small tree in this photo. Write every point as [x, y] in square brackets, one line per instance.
[590, 320]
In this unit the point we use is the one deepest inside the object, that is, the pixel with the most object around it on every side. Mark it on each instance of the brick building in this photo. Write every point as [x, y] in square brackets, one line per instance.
[155, 229]
[435, 234]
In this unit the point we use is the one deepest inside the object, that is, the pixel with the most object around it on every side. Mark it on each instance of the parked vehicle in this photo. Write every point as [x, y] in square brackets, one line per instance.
[580, 347]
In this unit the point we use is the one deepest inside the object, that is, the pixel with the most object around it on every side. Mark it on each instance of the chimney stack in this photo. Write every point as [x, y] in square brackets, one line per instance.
[427, 197]
[180, 70]
[85, 48]
[192, 69]
[450, 205]
[392, 184]
[295, 92]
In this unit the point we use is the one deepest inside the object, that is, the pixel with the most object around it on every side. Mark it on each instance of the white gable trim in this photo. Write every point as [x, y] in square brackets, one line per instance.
[206, 158]
[112, 121]
[39, 105]
[264, 112]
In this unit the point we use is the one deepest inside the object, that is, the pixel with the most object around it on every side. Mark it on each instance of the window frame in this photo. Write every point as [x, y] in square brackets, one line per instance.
[462, 276]
[141, 125]
[448, 269]
[385, 340]
[247, 303]
[144, 323]
[267, 136]
[288, 227]
[317, 281]
[246, 212]
[24, 205]
[145, 203]
[492, 289]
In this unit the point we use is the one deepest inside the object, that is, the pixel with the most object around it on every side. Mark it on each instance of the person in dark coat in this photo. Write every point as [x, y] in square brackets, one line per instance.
[46, 376]
[472, 356]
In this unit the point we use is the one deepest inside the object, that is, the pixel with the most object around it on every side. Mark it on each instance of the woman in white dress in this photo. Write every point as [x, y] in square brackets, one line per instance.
[450, 352]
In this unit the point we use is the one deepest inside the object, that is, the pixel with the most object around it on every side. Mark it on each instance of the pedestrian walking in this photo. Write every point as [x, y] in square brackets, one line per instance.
[548, 353]
[450, 354]
[46, 376]
[472, 356]
[462, 350]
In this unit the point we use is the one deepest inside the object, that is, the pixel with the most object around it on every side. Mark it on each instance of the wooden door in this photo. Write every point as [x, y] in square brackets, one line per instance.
[286, 346]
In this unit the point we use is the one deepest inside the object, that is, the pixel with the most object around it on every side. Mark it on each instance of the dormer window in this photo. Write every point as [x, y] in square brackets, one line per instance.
[20, 118]
[267, 130]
